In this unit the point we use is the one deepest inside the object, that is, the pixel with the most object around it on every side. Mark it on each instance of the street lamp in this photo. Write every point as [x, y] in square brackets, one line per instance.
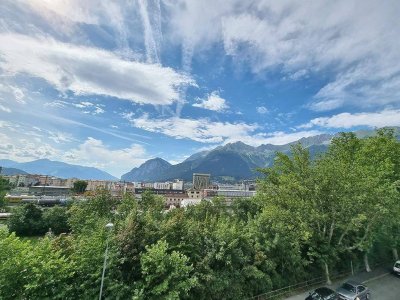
[109, 226]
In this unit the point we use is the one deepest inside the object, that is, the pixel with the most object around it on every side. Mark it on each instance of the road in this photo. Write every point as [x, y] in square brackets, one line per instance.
[382, 283]
[385, 288]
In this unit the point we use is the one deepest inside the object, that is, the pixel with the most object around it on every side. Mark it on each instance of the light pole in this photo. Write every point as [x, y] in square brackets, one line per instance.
[109, 226]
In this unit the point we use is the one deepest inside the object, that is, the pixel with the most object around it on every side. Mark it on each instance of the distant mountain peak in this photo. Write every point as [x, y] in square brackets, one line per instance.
[238, 146]
[147, 170]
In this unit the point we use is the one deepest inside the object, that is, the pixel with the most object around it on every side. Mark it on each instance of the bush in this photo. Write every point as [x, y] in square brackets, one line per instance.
[56, 218]
[27, 220]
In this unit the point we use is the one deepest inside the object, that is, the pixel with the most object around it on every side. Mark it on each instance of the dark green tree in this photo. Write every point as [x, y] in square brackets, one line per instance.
[4, 187]
[80, 186]
[56, 218]
[26, 220]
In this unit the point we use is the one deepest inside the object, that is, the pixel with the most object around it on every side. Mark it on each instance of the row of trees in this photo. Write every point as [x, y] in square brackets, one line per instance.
[308, 218]
[345, 202]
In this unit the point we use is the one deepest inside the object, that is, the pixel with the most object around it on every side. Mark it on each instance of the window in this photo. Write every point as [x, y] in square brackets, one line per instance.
[360, 289]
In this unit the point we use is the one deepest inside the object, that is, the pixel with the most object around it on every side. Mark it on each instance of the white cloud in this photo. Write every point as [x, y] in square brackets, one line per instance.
[90, 71]
[274, 138]
[98, 110]
[355, 43]
[205, 131]
[90, 108]
[262, 110]
[152, 30]
[93, 152]
[83, 104]
[73, 10]
[201, 130]
[213, 102]
[59, 137]
[24, 149]
[348, 120]
[21, 144]
[5, 109]
[56, 104]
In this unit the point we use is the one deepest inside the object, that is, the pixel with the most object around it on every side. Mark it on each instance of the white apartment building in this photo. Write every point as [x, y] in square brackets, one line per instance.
[177, 184]
[162, 185]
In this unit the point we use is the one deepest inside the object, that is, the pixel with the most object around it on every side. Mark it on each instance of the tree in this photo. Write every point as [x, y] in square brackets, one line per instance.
[32, 271]
[56, 218]
[80, 186]
[27, 220]
[166, 275]
[4, 187]
[83, 215]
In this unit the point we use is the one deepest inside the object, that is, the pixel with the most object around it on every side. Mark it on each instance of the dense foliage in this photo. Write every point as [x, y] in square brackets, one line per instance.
[79, 186]
[31, 220]
[4, 187]
[310, 217]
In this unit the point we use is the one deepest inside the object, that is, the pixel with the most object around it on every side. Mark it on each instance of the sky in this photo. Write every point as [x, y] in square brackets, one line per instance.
[110, 84]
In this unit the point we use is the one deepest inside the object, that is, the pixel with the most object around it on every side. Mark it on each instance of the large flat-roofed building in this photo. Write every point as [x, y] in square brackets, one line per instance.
[49, 190]
[201, 181]
[208, 193]
[139, 191]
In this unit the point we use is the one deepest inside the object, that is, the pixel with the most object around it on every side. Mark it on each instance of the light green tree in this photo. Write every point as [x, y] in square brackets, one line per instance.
[166, 274]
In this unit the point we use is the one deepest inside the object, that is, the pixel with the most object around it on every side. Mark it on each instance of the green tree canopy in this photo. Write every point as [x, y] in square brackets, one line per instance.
[79, 186]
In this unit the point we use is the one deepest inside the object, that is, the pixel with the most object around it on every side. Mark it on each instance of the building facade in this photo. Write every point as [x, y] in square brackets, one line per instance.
[201, 181]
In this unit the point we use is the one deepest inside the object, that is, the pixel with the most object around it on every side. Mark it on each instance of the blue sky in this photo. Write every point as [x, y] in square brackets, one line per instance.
[111, 84]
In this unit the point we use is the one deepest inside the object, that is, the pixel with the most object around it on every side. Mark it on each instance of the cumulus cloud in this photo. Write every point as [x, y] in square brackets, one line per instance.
[24, 149]
[21, 143]
[349, 120]
[90, 71]
[213, 102]
[93, 152]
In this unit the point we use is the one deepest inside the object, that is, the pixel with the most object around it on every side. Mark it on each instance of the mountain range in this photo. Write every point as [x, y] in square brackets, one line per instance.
[55, 168]
[234, 161]
[231, 162]
[12, 171]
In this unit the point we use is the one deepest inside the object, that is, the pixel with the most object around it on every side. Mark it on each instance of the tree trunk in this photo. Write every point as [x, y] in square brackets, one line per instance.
[395, 254]
[328, 278]
[366, 263]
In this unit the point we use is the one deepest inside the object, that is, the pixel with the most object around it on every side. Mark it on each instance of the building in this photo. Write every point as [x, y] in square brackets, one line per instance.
[228, 195]
[188, 202]
[139, 191]
[49, 190]
[22, 180]
[195, 194]
[162, 185]
[201, 181]
[174, 199]
[178, 184]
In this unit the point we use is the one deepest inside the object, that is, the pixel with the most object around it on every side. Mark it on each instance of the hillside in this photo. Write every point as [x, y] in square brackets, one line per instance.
[231, 162]
[58, 169]
[234, 161]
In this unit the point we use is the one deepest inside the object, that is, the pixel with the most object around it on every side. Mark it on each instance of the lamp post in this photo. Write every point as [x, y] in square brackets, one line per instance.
[109, 226]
